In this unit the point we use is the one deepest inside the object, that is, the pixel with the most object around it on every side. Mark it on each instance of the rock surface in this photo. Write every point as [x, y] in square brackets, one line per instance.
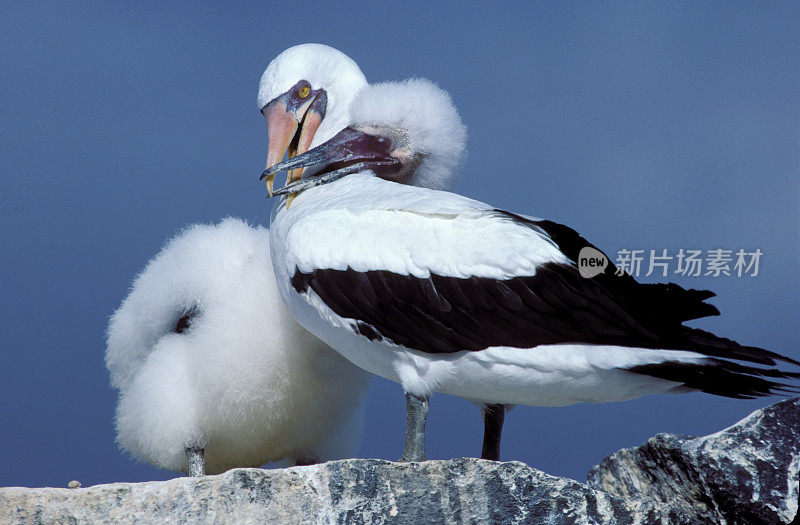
[349, 491]
[747, 473]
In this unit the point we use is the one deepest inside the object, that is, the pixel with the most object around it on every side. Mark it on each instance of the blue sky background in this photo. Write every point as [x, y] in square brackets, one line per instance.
[645, 126]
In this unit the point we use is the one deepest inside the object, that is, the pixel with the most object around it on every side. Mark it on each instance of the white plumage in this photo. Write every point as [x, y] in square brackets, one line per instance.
[442, 293]
[240, 378]
[418, 232]
[422, 111]
[430, 233]
[323, 67]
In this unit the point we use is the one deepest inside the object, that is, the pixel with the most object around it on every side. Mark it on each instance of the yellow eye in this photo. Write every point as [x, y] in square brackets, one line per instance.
[304, 91]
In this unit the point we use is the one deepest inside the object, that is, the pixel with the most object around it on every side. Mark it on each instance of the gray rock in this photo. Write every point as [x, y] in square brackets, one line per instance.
[747, 473]
[349, 491]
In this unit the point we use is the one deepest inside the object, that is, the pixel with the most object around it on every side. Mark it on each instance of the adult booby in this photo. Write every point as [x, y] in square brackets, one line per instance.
[212, 371]
[295, 121]
[442, 293]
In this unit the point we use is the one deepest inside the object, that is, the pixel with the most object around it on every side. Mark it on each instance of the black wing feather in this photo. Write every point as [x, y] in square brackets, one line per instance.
[442, 314]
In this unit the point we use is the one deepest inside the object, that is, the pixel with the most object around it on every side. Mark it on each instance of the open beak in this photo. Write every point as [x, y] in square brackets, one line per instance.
[349, 151]
[291, 129]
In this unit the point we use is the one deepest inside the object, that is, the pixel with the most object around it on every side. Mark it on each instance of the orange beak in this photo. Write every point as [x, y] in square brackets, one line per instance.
[308, 129]
[283, 123]
[281, 126]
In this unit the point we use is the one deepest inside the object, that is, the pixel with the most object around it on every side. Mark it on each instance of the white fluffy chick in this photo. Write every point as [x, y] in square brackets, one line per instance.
[212, 370]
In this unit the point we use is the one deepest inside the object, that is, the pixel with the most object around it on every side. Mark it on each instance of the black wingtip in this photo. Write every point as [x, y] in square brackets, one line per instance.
[716, 346]
[702, 295]
[665, 305]
[723, 378]
[785, 359]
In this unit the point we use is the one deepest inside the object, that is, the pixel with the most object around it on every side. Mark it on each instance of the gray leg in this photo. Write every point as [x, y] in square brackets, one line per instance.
[493, 416]
[416, 415]
[197, 463]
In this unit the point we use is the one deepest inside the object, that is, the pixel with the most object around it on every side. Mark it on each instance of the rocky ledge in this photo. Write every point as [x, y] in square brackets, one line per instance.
[747, 473]
[348, 491]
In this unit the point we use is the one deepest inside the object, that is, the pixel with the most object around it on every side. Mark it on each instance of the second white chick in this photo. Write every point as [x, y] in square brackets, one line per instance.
[212, 370]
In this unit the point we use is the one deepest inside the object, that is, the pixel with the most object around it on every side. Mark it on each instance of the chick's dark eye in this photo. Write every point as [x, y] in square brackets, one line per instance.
[185, 321]
[182, 324]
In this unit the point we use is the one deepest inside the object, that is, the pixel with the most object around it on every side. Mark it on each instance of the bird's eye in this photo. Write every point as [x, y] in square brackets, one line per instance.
[182, 324]
[185, 321]
[304, 91]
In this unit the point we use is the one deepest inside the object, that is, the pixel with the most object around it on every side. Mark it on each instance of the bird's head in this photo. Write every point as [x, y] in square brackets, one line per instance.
[201, 293]
[407, 132]
[304, 94]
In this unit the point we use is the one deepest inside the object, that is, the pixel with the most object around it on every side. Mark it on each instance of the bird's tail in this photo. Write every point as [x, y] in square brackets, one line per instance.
[731, 369]
[724, 378]
[715, 346]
